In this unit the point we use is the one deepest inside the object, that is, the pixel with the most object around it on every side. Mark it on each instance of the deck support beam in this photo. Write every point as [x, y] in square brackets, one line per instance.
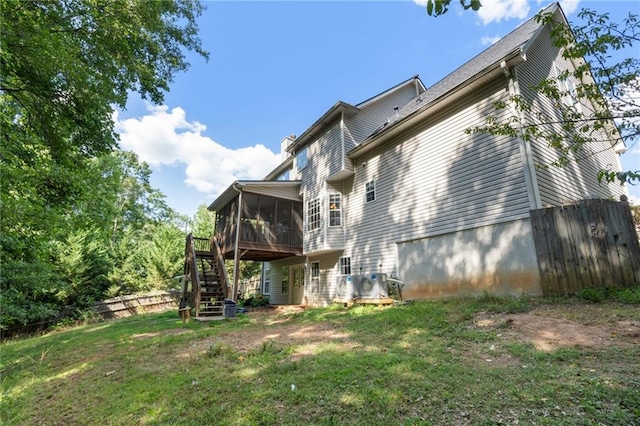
[236, 250]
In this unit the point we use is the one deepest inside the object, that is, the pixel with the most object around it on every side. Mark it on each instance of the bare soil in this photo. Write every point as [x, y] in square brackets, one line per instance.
[547, 327]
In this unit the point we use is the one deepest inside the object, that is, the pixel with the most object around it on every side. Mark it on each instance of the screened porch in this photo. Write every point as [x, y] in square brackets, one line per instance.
[270, 227]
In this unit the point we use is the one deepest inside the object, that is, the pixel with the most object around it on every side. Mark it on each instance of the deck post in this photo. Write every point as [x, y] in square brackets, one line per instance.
[236, 250]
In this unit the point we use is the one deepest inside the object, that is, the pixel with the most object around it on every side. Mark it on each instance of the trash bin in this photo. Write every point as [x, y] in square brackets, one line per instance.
[229, 308]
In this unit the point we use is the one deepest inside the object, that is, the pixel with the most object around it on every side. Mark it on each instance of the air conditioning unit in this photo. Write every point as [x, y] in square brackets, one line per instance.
[346, 288]
[372, 286]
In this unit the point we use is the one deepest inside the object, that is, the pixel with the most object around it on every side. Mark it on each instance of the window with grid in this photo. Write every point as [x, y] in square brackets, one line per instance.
[301, 159]
[568, 88]
[370, 191]
[315, 277]
[335, 210]
[313, 214]
[315, 270]
[345, 266]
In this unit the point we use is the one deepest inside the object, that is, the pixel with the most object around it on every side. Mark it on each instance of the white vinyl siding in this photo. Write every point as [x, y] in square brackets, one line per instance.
[375, 114]
[325, 285]
[434, 180]
[578, 180]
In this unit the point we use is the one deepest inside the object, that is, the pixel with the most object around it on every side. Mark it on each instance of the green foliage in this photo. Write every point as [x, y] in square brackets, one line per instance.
[629, 295]
[203, 223]
[592, 102]
[64, 64]
[79, 217]
[82, 264]
[440, 7]
[255, 301]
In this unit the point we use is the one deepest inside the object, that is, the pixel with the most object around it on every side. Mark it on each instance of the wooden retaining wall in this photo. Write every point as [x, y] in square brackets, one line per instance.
[589, 244]
[125, 306]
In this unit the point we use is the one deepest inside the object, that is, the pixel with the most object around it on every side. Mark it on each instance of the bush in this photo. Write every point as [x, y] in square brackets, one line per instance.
[598, 295]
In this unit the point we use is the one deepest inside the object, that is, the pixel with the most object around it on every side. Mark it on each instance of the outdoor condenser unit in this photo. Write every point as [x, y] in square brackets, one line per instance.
[372, 286]
[346, 288]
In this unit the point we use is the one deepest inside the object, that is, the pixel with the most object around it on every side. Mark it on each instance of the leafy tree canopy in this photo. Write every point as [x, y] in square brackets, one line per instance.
[65, 64]
[79, 217]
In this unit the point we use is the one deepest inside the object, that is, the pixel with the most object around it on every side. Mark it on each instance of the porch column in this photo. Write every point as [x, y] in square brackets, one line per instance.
[236, 250]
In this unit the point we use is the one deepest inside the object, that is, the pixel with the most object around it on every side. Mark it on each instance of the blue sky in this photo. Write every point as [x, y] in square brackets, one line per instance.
[275, 67]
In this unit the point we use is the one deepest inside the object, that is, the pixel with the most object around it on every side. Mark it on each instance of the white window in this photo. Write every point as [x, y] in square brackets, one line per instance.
[267, 281]
[335, 210]
[370, 191]
[284, 176]
[315, 270]
[567, 89]
[301, 159]
[345, 265]
[315, 277]
[313, 214]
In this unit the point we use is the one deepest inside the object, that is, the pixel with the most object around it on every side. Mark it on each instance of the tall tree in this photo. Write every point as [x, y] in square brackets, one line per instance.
[67, 196]
[65, 64]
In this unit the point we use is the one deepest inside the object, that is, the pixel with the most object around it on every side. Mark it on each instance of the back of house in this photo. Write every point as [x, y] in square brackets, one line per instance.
[396, 186]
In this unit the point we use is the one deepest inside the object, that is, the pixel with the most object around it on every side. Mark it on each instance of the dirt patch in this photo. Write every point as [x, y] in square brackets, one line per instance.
[274, 326]
[546, 327]
[549, 328]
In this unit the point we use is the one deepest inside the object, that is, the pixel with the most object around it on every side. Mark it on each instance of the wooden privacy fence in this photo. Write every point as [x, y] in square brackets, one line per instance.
[125, 306]
[589, 244]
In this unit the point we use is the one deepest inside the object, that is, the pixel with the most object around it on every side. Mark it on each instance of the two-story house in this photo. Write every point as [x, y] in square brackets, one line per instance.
[396, 185]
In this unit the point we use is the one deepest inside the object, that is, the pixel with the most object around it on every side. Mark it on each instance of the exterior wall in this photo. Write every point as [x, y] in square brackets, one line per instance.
[322, 291]
[324, 158]
[498, 258]
[578, 180]
[433, 181]
[372, 116]
[276, 295]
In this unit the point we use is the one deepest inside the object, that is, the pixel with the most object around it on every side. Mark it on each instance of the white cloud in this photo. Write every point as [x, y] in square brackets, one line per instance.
[569, 6]
[497, 10]
[489, 40]
[422, 3]
[165, 137]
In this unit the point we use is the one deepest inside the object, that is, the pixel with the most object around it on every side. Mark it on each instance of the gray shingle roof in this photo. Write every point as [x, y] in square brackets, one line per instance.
[512, 42]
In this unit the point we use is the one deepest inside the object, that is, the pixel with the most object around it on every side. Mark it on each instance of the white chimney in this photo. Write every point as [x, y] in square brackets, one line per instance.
[284, 144]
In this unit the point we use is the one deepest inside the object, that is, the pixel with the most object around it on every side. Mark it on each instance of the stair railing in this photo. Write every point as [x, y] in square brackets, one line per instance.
[219, 258]
[195, 276]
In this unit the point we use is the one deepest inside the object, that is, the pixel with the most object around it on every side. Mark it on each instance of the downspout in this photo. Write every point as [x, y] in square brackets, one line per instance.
[236, 249]
[342, 138]
[525, 147]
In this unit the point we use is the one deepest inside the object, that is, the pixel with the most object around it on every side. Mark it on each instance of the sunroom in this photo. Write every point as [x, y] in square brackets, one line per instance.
[259, 220]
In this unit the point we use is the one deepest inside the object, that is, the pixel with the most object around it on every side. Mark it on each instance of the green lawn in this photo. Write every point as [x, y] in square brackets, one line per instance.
[420, 363]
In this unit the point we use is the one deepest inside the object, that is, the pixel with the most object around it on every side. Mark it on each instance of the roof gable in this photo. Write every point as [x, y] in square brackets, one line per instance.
[513, 44]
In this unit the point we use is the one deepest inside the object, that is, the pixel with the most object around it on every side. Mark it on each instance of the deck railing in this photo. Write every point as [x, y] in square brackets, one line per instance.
[272, 235]
[202, 244]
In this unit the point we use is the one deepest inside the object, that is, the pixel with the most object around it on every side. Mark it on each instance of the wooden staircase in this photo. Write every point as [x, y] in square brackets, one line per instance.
[205, 286]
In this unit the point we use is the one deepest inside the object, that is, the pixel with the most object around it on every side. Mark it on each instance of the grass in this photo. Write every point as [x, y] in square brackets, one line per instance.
[420, 363]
